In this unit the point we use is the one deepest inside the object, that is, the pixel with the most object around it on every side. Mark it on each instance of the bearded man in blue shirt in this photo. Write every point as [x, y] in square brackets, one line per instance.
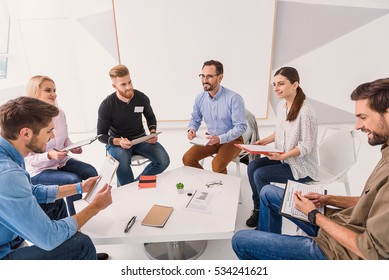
[26, 126]
[223, 112]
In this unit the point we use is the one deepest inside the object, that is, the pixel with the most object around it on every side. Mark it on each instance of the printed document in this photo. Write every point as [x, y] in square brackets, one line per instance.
[106, 173]
[287, 207]
[202, 201]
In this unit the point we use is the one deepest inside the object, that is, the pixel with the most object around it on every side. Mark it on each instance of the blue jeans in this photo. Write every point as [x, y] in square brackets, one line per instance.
[263, 171]
[154, 152]
[270, 220]
[260, 245]
[73, 172]
[78, 247]
[267, 243]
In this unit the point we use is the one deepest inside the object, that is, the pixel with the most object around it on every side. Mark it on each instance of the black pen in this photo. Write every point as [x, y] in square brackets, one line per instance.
[130, 224]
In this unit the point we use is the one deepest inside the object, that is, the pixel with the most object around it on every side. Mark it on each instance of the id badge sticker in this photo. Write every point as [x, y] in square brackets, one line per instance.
[138, 109]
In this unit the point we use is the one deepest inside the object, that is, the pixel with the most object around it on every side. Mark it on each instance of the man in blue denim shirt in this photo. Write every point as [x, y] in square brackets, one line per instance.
[223, 112]
[26, 126]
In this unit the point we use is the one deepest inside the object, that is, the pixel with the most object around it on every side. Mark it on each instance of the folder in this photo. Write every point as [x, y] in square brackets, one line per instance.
[258, 149]
[157, 216]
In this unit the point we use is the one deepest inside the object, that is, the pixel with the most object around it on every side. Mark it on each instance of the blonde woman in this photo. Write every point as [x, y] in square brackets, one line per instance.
[55, 167]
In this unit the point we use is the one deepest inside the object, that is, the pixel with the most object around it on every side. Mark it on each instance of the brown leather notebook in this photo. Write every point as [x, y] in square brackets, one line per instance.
[157, 216]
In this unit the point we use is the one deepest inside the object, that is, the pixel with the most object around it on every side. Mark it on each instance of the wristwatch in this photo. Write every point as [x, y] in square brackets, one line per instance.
[312, 216]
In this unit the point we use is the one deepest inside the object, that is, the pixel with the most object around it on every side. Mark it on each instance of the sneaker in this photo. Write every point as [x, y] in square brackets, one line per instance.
[253, 220]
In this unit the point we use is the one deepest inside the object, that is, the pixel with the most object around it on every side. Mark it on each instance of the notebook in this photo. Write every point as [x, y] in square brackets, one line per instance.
[147, 181]
[157, 216]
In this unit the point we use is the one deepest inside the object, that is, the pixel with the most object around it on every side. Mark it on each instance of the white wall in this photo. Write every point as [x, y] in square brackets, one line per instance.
[335, 45]
[164, 43]
[50, 37]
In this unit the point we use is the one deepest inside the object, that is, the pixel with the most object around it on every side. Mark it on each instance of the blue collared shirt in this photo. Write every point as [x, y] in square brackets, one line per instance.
[20, 213]
[224, 114]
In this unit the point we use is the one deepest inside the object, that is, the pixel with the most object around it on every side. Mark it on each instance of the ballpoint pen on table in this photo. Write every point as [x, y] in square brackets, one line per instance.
[130, 224]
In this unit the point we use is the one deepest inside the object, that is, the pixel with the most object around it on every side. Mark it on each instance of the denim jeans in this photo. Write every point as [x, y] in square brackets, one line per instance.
[263, 171]
[267, 243]
[154, 152]
[73, 172]
[270, 220]
[78, 247]
[261, 245]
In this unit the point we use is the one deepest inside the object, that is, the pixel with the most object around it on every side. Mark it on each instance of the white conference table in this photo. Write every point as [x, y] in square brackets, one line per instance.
[185, 233]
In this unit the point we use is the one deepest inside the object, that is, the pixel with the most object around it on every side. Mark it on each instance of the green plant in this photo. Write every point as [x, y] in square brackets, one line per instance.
[179, 185]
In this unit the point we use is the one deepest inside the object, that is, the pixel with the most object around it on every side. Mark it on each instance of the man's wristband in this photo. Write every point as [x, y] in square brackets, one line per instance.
[79, 189]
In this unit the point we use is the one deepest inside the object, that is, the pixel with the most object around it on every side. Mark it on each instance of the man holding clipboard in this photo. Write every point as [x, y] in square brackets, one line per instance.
[357, 229]
[121, 127]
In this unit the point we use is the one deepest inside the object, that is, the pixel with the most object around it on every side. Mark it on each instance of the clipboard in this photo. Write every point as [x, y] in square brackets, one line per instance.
[157, 216]
[287, 208]
[107, 172]
[81, 143]
[144, 138]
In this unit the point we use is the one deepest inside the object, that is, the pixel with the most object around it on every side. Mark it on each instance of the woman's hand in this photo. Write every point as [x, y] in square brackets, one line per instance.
[76, 150]
[58, 155]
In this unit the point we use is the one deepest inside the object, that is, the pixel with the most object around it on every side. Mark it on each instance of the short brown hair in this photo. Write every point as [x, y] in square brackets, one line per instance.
[25, 112]
[376, 92]
[217, 64]
[119, 71]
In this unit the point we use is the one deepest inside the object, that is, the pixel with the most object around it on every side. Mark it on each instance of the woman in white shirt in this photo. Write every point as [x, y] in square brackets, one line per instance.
[296, 134]
[55, 167]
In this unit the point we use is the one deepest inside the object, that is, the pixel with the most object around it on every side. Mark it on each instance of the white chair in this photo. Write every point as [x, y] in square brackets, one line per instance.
[138, 160]
[338, 151]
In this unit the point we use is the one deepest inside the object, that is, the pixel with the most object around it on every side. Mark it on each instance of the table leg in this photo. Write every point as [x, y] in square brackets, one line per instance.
[176, 250]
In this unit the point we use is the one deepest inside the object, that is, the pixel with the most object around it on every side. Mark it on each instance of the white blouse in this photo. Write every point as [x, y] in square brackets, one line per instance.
[300, 133]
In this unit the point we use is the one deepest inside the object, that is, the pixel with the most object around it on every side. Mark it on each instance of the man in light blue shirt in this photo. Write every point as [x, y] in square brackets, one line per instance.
[223, 112]
[26, 126]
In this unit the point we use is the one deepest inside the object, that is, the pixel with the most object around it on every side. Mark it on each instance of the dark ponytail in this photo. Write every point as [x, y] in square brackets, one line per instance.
[292, 76]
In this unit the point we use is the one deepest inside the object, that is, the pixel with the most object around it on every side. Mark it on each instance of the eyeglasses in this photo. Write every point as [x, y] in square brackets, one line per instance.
[214, 183]
[208, 77]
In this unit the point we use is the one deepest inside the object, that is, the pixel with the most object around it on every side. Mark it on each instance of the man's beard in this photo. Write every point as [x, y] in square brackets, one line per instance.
[211, 87]
[33, 146]
[379, 138]
[126, 94]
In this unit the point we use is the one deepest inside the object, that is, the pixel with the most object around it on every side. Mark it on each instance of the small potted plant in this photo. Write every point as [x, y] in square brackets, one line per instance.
[180, 187]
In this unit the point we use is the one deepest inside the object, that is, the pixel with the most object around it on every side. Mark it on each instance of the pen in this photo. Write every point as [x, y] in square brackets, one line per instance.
[130, 224]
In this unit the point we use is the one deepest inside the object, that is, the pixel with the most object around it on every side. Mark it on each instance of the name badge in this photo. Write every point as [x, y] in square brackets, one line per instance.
[138, 109]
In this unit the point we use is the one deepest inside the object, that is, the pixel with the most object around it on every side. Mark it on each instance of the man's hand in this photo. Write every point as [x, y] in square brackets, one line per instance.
[302, 203]
[88, 184]
[154, 139]
[319, 200]
[212, 140]
[191, 134]
[125, 143]
[103, 198]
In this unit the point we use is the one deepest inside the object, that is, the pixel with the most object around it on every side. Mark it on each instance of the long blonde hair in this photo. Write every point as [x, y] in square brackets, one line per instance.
[34, 83]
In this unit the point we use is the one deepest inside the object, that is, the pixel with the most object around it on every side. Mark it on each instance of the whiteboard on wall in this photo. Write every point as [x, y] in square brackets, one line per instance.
[164, 43]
